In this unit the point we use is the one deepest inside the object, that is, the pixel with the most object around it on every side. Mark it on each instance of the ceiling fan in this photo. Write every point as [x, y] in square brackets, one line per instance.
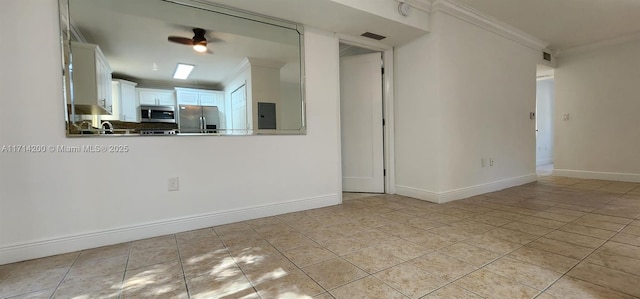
[198, 42]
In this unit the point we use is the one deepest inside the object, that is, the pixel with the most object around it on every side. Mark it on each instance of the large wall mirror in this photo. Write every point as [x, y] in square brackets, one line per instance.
[179, 67]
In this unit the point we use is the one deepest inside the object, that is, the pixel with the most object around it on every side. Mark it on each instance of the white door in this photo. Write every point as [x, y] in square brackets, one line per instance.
[361, 123]
[239, 110]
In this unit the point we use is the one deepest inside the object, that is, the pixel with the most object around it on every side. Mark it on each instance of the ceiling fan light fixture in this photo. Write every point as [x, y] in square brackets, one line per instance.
[200, 47]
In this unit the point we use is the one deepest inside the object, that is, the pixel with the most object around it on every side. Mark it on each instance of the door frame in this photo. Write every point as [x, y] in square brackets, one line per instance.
[387, 106]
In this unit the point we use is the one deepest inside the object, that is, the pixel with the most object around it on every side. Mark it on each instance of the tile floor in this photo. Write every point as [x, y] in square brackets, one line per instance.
[557, 238]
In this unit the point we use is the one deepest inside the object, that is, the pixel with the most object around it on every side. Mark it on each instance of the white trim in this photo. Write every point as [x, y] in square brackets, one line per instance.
[389, 128]
[422, 5]
[598, 175]
[544, 161]
[362, 42]
[455, 194]
[488, 23]
[461, 193]
[241, 67]
[545, 77]
[336, 79]
[48, 247]
[418, 193]
[75, 33]
[599, 45]
[388, 103]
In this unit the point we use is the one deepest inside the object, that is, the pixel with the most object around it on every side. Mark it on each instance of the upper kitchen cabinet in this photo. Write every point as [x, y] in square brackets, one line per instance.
[156, 97]
[199, 97]
[129, 104]
[125, 101]
[91, 75]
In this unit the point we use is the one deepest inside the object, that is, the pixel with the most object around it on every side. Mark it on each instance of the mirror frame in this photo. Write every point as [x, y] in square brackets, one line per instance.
[66, 31]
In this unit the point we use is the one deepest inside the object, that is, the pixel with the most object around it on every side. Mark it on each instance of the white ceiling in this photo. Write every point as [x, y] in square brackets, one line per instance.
[133, 37]
[562, 23]
[566, 24]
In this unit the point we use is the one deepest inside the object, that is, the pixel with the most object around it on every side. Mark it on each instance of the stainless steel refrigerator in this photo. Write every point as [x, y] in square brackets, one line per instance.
[198, 119]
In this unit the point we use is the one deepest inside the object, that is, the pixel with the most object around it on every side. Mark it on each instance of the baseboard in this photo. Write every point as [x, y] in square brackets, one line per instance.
[455, 194]
[544, 161]
[598, 175]
[42, 248]
[461, 193]
[418, 193]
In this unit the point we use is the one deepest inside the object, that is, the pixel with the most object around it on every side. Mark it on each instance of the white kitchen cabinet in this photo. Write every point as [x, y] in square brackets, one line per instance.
[129, 105]
[125, 101]
[213, 98]
[91, 75]
[199, 97]
[186, 96]
[156, 97]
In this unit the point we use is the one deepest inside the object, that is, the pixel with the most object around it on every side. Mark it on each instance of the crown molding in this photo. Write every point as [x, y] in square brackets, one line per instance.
[488, 23]
[599, 45]
[422, 5]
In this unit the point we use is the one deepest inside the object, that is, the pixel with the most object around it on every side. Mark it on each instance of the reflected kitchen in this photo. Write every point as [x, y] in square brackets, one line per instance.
[133, 72]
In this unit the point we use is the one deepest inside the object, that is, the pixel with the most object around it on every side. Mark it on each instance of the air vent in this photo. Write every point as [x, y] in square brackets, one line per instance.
[373, 36]
[546, 56]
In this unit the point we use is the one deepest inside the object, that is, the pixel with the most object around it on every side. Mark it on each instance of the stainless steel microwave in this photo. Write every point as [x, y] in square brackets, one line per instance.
[158, 114]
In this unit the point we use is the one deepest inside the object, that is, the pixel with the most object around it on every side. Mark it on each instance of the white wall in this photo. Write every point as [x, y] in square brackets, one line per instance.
[290, 106]
[389, 9]
[544, 121]
[462, 94]
[417, 116]
[265, 85]
[58, 202]
[600, 90]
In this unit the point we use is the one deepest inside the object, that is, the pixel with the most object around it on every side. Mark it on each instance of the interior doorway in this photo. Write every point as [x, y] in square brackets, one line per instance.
[544, 120]
[361, 119]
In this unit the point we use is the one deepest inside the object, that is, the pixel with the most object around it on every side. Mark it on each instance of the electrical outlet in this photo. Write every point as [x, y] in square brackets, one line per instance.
[491, 162]
[173, 184]
[483, 162]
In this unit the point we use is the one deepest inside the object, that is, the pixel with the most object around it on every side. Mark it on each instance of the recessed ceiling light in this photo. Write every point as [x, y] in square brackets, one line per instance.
[182, 71]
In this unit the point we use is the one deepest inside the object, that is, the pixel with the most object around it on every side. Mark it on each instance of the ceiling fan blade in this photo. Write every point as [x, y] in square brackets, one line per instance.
[181, 40]
[213, 39]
